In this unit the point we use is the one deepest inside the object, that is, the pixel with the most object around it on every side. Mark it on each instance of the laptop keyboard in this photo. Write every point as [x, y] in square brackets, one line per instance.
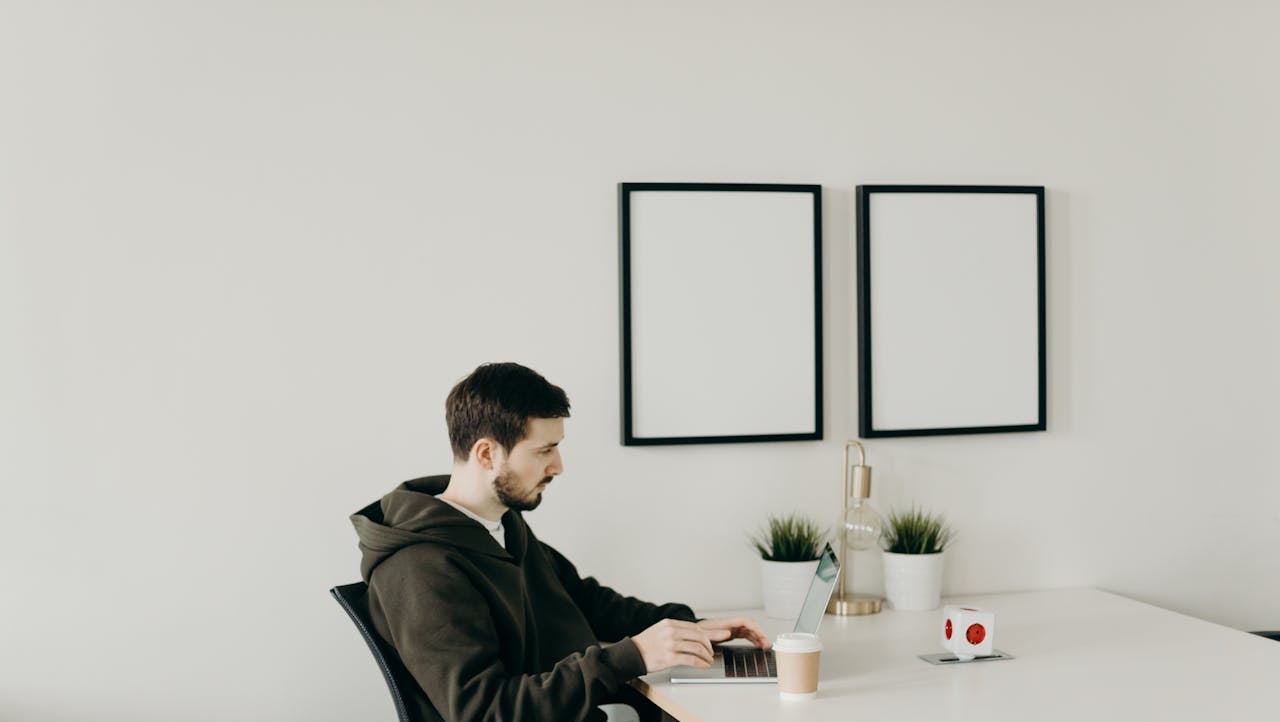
[749, 662]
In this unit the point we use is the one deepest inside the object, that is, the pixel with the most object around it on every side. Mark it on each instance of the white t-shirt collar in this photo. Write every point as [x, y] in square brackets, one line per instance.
[495, 528]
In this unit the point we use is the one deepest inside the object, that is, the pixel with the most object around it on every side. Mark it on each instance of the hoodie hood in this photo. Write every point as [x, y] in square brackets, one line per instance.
[411, 514]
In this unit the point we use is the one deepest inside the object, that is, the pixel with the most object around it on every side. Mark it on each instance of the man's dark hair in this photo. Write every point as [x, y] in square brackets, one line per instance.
[496, 401]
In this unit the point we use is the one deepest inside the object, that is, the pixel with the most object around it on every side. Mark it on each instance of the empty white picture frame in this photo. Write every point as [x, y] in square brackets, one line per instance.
[721, 312]
[951, 310]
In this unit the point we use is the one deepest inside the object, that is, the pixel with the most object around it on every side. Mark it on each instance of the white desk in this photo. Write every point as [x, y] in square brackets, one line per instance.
[1080, 654]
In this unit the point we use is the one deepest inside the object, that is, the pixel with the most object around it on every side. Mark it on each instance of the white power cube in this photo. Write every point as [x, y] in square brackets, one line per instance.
[967, 632]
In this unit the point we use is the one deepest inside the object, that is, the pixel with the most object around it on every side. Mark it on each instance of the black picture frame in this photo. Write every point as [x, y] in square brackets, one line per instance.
[639, 387]
[1029, 411]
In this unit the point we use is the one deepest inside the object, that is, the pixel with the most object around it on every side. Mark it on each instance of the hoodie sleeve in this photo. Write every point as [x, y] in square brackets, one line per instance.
[454, 652]
[612, 615]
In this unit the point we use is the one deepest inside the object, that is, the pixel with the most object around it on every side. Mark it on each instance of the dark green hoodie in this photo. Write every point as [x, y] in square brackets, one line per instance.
[488, 633]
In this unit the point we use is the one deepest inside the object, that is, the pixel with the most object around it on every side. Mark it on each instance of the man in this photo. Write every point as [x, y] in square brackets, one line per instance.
[492, 623]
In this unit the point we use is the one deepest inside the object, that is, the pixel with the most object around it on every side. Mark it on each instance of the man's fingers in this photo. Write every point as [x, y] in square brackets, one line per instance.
[697, 650]
[720, 635]
[690, 656]
[748, 624]
[748, 628]
[756, 635]
[695, 634]
[692, 660]
[693, 646]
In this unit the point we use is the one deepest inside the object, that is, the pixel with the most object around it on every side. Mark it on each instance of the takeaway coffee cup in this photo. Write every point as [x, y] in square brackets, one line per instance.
[797, 654]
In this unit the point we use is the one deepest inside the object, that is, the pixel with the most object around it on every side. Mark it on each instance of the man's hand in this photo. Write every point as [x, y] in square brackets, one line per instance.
[722, 630]
[672, 642]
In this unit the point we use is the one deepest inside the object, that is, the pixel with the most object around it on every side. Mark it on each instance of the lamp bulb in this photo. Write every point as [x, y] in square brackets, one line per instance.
[862, 526]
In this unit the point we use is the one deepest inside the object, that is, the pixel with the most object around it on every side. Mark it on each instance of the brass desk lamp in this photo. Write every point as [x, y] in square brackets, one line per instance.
[859, 528]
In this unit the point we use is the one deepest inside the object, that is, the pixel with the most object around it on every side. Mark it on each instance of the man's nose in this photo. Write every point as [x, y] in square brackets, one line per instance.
[557, 465]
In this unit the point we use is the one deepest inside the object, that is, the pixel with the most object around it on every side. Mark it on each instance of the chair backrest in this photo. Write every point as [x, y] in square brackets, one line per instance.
[354, 599]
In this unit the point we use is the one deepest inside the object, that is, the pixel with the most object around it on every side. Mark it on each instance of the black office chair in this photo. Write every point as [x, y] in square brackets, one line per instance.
[354, 599]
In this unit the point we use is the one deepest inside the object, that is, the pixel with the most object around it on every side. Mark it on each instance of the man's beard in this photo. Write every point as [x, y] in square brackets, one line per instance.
[505, 486]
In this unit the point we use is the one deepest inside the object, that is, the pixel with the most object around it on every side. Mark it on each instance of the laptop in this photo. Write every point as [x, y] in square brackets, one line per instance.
[742, 664]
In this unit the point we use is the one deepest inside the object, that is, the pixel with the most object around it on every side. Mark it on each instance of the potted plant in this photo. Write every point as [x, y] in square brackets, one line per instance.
[914, 542]
[789, 550]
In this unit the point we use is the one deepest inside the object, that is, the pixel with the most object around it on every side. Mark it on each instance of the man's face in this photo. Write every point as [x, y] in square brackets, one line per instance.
[525, 471]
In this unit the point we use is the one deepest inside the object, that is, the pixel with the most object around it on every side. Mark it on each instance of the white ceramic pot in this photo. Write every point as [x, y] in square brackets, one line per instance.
[913, 582]
[784, 585]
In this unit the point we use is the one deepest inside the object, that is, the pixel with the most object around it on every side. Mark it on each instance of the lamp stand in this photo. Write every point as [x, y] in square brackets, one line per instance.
[856, 607]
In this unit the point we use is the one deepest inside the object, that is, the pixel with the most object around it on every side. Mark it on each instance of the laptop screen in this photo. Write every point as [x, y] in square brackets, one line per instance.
[815, 602]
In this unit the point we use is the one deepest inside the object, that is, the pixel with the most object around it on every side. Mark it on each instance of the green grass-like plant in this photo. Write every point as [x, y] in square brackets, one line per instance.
[916, 532]
[791, 538]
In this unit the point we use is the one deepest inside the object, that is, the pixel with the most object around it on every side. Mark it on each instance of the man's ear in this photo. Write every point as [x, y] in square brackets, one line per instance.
[485, 453]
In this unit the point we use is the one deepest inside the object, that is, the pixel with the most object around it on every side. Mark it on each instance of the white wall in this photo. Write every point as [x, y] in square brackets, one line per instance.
[245, 249]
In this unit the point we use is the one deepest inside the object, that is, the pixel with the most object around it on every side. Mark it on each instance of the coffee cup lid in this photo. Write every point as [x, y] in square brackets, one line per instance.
[797, 642]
